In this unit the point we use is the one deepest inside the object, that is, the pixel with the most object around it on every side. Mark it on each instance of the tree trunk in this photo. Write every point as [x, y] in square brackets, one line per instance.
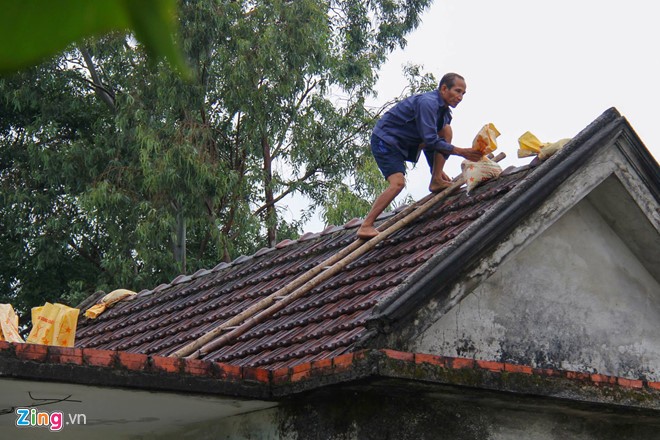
[102, 92]
[180, 241]
[271, 216]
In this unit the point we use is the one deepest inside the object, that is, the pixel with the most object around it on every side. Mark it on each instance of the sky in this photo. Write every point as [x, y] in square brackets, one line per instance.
[548, 67]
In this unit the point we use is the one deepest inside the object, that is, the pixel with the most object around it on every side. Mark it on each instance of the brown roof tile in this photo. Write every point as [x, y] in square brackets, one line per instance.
[325, 321]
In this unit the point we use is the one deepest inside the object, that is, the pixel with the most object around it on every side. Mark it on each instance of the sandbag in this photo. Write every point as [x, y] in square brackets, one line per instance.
[53, 324]
[476, 173]
[107, 301]
[530, 145]
[486, 140]
[9, 324]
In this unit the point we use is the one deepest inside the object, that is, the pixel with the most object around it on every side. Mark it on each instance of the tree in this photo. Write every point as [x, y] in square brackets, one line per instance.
[117, 172]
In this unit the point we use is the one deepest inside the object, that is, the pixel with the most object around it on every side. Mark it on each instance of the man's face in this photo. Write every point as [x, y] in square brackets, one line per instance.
[453, 96]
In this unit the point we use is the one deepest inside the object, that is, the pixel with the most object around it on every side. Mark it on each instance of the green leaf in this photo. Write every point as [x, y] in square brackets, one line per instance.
[31, 30]
[154, 22]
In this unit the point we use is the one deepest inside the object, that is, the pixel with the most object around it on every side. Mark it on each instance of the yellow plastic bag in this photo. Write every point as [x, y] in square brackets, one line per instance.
[476, 173]
[65, 332]
[530, 145]
[486, 139]
[43, 324]
[54, 324]
[9, 324]
[107, 301]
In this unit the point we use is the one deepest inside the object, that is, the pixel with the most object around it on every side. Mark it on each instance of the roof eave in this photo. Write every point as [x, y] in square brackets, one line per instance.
[365, 368]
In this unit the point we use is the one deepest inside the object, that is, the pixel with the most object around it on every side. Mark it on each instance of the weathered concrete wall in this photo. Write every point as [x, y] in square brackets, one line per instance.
[258, 425]
[389, 414]
[575, 298]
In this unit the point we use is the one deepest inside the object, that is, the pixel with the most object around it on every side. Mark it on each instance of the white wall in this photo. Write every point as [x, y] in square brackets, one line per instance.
[575, 298]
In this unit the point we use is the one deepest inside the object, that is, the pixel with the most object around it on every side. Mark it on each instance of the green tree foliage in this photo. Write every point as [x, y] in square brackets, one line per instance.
[117, 172]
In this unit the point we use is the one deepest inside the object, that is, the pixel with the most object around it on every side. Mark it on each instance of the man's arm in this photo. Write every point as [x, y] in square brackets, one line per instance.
[468, 153]
[427, 123]
[447, 135]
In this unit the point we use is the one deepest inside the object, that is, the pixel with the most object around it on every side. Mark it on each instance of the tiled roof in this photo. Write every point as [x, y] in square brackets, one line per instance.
[328, 321]
[324, 323]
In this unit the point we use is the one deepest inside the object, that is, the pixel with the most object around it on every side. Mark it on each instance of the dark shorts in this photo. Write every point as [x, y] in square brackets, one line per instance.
[389, 159]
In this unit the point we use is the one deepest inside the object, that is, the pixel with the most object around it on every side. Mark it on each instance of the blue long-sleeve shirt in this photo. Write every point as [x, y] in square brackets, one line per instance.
[415, 120]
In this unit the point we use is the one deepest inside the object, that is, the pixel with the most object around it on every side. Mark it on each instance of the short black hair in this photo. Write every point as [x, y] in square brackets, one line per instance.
[449, 80]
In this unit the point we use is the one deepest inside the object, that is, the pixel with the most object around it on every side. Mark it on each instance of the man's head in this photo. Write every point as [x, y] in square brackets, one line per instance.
[452, 87]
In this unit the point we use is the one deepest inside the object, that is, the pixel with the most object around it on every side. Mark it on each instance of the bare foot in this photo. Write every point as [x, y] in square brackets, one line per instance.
[367, 232]
[438, 186]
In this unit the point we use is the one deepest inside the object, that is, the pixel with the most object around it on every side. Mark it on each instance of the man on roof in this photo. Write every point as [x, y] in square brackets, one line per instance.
[419, 122]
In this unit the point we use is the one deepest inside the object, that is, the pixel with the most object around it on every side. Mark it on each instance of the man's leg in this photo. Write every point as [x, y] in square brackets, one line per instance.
[439, 180]
[397, 181]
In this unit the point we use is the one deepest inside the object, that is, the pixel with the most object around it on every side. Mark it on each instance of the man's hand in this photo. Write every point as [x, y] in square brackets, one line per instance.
[469, 153]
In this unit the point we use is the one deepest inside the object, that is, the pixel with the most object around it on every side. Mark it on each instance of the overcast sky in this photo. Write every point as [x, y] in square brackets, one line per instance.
[549, 67]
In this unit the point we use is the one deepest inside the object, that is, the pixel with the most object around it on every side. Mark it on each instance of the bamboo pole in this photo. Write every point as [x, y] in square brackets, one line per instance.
[310, 279]
[267, 301]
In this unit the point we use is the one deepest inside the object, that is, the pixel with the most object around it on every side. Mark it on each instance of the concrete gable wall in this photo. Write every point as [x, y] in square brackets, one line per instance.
[574, 298]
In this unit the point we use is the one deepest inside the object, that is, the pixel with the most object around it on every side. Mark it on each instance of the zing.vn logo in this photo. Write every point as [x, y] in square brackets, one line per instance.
[31, 417]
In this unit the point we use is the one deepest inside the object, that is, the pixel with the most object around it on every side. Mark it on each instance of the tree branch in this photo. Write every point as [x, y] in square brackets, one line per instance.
[101, 91]
[277, 150]
[291, 186]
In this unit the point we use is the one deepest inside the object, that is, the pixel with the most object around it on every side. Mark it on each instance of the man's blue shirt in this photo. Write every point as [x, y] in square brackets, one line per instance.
[415, 120]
